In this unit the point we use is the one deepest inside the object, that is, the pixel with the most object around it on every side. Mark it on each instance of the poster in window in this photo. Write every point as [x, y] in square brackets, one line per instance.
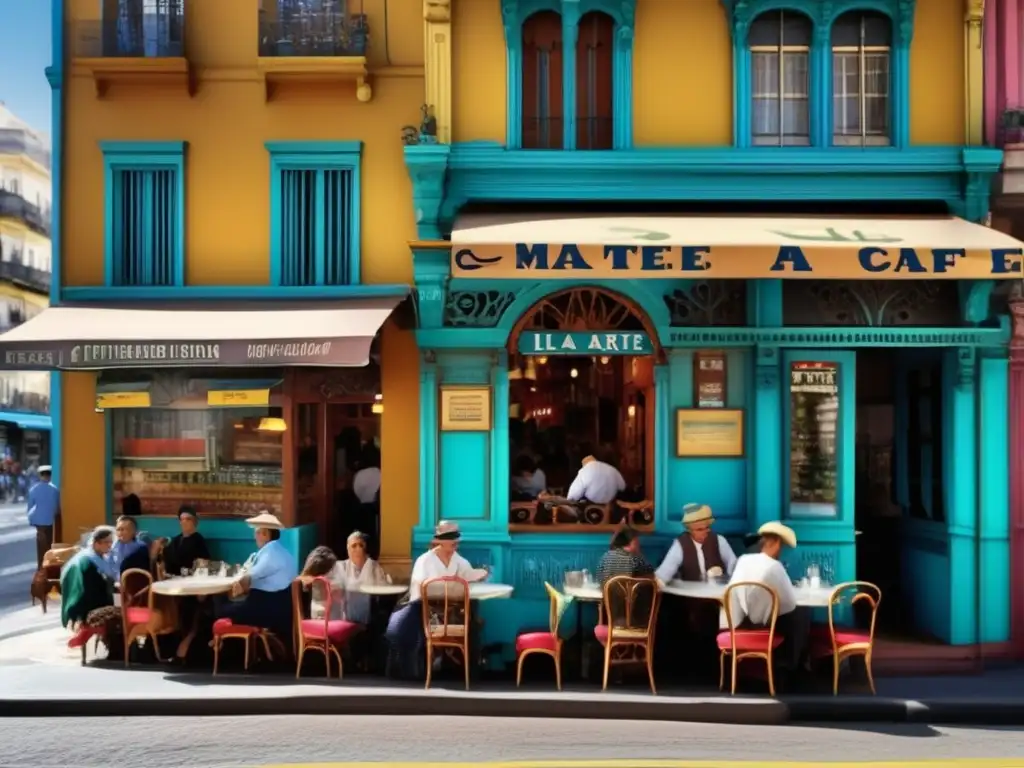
[813, 438]
[709, 377]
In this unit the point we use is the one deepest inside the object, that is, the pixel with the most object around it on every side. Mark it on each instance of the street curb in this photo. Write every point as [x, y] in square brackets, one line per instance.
[973, 711]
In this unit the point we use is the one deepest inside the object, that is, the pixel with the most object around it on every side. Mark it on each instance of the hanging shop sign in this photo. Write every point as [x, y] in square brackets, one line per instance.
[584, 343]
[106, 400]
[709, 379]
[238, 398]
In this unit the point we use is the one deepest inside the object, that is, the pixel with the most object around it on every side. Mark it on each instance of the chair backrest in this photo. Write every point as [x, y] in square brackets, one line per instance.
[747, 586]
[442, 598]
[631, 603]
[864, 592]
[328, 595]
[557, 609]
[298, 614]
[136, 590]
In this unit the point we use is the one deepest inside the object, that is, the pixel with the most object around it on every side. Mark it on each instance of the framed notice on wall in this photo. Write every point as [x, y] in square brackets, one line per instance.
[709, 432]
[709, 379]
[465, 409]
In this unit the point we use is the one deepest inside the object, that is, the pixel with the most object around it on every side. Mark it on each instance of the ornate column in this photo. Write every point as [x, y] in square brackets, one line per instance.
[974, 82]
[1016, 448]
[437, 64]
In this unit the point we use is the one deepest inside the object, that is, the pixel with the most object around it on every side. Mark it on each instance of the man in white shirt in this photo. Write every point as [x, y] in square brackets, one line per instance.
[405, 633]
[751, 607]
[596, 482]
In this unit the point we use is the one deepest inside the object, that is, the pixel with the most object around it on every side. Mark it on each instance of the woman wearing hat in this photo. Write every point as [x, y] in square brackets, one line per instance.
[405, 628]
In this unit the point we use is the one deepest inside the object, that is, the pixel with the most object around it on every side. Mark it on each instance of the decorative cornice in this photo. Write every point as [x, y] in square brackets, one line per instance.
[766, 339]
[427, 165]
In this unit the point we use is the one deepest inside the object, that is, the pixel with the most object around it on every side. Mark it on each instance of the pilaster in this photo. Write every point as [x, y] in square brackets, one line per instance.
[1016, 449]
[765, 420]
[430, 269]
[662, 443]
[437, 64]
[974, 63]
[428, 443]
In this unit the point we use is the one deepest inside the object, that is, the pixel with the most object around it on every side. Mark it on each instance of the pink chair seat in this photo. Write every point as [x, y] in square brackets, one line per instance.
[748, 641]
[821, 640]
[536, 641]
[338, 631]
[228, 627]
[137, 615]
[83, 636]
[601, 633]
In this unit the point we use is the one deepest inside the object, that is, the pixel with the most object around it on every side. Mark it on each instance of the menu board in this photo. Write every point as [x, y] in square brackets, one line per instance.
[813, 436]
[709, 378]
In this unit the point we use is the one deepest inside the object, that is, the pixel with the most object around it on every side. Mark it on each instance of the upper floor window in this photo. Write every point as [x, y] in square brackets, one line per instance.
[543, 122]
[860, 78]
[145, 213]
[315, 213]
[144, 28]
[594, 81]
[780, 44]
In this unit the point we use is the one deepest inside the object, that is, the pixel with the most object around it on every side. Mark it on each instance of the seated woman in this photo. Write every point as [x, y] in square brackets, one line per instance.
[357, 570]
[87, 591]
[265, 582]
[188, 546]
[323, 562]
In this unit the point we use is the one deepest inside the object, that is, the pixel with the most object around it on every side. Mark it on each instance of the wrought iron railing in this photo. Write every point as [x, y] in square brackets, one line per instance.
[15, 206]
[22, 274]
[158, 34]
[315, 34]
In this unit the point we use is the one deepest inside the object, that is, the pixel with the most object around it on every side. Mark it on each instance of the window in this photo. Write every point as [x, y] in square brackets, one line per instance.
[860, 79]
[594, 81]
[315, 213]
[145, 213]
[145, 28]
[780, 43]
[542, 81]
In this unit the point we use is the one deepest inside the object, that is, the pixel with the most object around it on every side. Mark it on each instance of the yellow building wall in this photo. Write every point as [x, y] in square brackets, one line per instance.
[682, 73]
[227, 224]
[83, 456]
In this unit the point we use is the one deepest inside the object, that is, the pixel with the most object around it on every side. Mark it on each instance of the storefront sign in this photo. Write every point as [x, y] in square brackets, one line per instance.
[238, 398]
[814, 378]
[465, 409]
[709, 432]
[709, 378]
[584, 343]
[106, 400]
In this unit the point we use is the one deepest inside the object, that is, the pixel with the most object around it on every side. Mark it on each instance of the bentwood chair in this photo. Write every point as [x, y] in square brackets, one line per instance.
[446, 619]
[547, 643]
[631, 605]
[138, 616]
[842, 643]
[324, 635]
[743, 644]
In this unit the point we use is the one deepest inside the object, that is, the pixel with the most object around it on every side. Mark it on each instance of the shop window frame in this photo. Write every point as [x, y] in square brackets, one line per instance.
[133, 156]
[742, 13]
[343, 156]
[622, 12]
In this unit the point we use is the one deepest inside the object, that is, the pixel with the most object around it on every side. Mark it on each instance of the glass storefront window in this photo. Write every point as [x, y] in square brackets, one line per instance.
[227, 462]
[813, 444]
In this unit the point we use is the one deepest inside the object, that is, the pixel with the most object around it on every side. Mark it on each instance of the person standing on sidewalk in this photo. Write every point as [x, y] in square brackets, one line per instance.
[44, 512]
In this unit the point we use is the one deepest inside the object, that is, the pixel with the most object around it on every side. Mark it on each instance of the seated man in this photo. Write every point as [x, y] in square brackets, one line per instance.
[265, 582]
[752, 607]
[128, 551]
[697, 553]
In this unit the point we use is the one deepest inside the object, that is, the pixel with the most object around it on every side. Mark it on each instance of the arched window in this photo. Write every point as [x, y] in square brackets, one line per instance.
[780, 43]
[542, 81]
[594, 81]
[860, 78]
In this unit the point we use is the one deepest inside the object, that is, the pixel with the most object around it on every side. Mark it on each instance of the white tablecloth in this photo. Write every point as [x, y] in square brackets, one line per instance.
[811, 597]
[381, 589]
[477, 590]
[194, 585]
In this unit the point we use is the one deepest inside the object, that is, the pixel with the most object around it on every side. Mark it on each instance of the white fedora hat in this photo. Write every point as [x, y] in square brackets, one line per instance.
[784, 532]
[697, 513]
[265, 520]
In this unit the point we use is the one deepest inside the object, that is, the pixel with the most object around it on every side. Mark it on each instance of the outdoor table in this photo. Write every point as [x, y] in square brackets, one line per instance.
[591, 592]
[381, 590]
[806, 596]
[478, 590]
[194, 586]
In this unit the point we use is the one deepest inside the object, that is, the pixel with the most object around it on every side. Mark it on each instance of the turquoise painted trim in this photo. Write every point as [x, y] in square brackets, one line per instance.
[845, 439]
[515, 13]
[765, 426]
[35, 421]
[429, 446]
[427, 165]
[994, 500]
[121, 156]
[500, 452]
[233, 293]
[318, 156]
[55, 77]
[742, 14]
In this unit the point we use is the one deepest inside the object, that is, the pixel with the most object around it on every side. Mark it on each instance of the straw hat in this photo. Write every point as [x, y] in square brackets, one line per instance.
[447, 531]
[697, 513]
[265, 520]
[784, 532]
[46, 469]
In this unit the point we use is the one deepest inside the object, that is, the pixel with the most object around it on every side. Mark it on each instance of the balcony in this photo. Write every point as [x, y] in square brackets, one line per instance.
[17, 141]
[325, 48]
[35, 280]
[16, 207]
[145, 48]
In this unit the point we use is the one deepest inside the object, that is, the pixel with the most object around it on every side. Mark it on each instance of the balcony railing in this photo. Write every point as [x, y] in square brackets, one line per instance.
[153, 35]
[17, 207]
[315, 34]
[30, 277]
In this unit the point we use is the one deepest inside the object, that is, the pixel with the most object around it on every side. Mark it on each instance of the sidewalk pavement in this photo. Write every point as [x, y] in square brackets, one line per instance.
[42, 677]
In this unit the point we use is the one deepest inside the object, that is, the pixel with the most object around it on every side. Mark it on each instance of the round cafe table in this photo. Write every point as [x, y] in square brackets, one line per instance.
[477, 590]
[806, 596]
[381, 590]
[194, 586]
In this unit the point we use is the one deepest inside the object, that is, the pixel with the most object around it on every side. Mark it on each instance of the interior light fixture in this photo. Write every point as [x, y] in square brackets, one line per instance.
[574, 373]
[272, 424]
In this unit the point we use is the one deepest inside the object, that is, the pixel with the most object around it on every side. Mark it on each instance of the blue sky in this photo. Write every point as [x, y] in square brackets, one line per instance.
[24, 55]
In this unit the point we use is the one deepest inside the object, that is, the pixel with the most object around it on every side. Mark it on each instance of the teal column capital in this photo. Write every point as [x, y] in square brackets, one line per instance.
[427, 165]
[430, 270]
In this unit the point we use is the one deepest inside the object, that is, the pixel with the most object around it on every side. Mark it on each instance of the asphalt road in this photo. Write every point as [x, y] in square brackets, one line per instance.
[17, 557]
[226, 741]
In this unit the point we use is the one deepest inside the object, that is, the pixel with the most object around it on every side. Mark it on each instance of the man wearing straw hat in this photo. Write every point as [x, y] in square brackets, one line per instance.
[697, 553]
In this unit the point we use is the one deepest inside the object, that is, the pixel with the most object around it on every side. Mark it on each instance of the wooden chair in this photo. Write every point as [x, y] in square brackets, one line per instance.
[446, 619]
[842, 643]
[325, 635]
[631, 605]
[743, 644]
[138, 617]
[226, 629]
[547, 643]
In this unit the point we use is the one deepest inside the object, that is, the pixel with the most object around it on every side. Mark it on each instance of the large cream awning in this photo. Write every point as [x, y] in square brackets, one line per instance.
[261, 335]
[574, 247]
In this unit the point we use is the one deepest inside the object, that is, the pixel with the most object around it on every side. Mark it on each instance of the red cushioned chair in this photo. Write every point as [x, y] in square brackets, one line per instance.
[631, 605]
[742, 644]
[137, 614]
[842, 643]
[325, 635]
[547, 643]
[226, 629]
